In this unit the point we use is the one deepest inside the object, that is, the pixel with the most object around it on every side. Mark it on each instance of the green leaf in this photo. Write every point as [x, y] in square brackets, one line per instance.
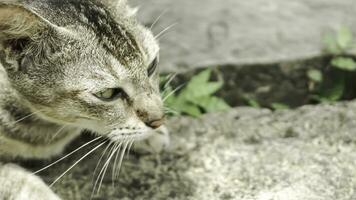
[194, 94]
[251, 101]
[315, 75]
[279, 106]
[201, 78]
[343, 63]
[344, 37]
[197, 97]
[213, 104]
[191, 110]
[200, 86]
[334, 93]
[331, 45]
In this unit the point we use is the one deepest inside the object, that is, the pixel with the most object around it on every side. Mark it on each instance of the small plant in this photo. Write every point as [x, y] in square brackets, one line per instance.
[279, 106]
[336, 45]
[252, 102]
[196, 97]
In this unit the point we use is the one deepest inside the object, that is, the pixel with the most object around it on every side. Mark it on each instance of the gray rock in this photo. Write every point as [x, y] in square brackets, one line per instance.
[214, 32]
[243, 154]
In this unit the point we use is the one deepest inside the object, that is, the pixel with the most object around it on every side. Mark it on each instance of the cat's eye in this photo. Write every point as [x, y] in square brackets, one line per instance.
[153, 66]
[111, 94]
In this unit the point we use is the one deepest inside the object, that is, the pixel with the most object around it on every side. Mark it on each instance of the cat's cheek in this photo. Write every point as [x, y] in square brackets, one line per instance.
[91, 125]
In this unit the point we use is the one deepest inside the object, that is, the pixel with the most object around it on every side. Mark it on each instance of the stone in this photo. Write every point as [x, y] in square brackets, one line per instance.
[215, 33]
[243, 154]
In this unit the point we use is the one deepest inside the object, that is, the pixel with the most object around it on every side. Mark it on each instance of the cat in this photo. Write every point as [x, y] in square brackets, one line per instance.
[68, 66]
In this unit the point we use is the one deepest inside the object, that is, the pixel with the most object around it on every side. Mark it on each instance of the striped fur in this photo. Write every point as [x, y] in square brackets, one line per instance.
[54, 56]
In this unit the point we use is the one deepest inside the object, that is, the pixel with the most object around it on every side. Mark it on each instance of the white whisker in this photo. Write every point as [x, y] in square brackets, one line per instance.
[58, 132]
[103, 169]
[71, 167]
[66, 156]
[169, 81]
[27, 116]
[97, 165]
[157, 19]
[165, 30]
[170, 110]
[129, 148]
[115, 163]
[173, 92]
[121, 159]
[106, 167]
[101, 158]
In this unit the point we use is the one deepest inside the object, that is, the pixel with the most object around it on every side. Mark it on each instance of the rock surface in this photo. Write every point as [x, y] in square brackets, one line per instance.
[214, 32]
[243, 154]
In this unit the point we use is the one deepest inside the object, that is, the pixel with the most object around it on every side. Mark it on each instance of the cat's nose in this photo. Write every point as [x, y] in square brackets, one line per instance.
[151, 120]
[155, 123]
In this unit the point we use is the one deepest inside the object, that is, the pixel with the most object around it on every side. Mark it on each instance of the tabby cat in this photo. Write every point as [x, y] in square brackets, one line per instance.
[66, 66]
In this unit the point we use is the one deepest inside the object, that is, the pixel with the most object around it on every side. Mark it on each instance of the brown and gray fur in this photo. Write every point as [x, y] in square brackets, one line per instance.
[54, 55]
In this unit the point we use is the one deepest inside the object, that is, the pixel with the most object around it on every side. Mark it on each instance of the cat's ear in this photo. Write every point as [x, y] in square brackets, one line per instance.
[18, 25]
[121, 7]
[115, 3]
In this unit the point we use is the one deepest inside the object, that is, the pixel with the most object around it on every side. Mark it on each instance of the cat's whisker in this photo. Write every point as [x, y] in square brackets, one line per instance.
[101, 158]
[71, 167]
[171, 111]
[103, 169]
[58, 132]
[130, 146]
[26, 117]
[157, 19]
[165, 30]
[115, 163]
[98, 164]
[173, 92]
[106, 167]
[169, 81]
[66, 156]
[122, 155]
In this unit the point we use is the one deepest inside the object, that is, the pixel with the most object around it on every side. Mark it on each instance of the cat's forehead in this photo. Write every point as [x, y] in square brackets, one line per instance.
[116, 37]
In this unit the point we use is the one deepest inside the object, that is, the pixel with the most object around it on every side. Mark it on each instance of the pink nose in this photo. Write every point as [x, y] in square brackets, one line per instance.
[156, 123]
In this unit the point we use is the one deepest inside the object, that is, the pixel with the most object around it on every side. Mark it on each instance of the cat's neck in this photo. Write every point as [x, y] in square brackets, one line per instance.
[22, 126]
[24, 134]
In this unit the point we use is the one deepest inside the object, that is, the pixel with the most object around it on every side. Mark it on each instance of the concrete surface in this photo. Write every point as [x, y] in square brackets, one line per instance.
[215, 32]
[243, 154]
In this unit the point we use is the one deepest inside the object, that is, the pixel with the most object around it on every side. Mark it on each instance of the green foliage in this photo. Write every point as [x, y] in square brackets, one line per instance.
[197, 97]
[279, 106]
[344, 38]
[253, 103]
[336, 45]
[315, 75]
[343, 63]
[332, 93]
[338, 42]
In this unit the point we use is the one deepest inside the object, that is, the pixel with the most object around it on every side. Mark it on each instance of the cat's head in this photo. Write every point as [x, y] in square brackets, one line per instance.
[87, 63]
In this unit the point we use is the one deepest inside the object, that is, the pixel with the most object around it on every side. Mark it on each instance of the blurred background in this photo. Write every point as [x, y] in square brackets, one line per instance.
[273, 53]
